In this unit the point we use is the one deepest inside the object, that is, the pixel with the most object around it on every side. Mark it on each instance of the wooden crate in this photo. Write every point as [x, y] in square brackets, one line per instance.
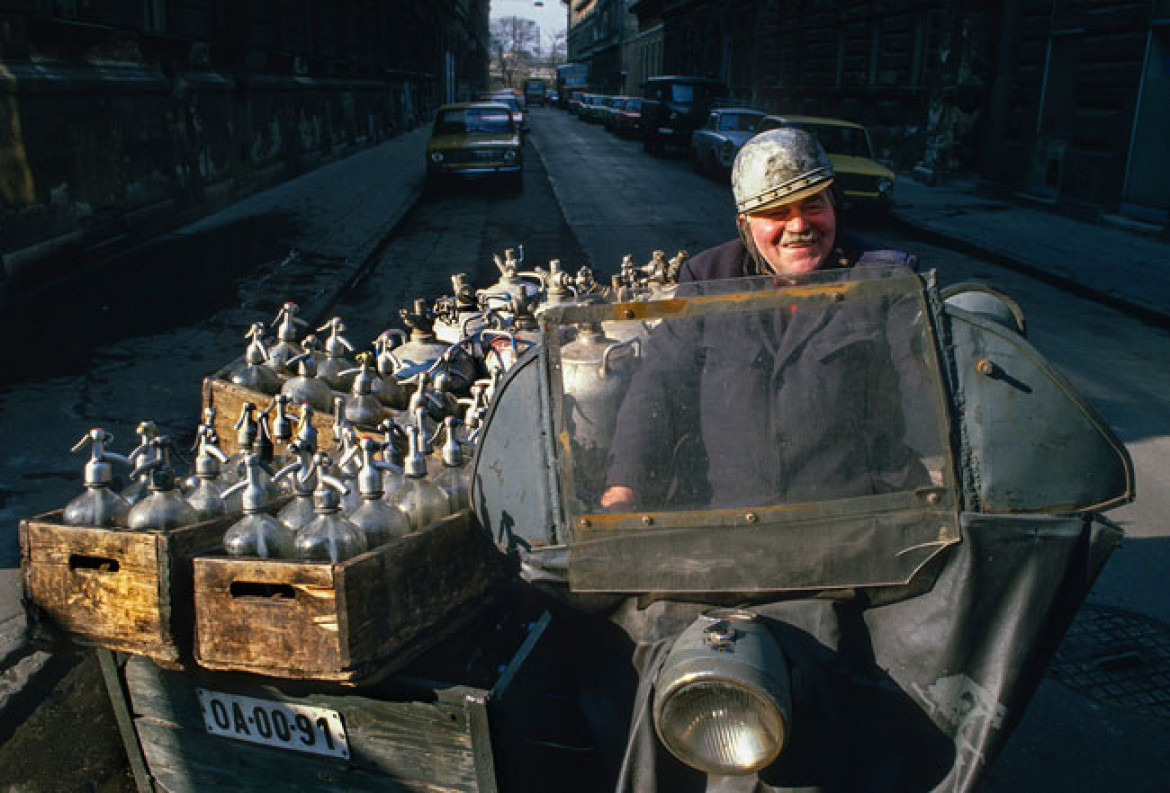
[227, 398]
[124, 590]
[435, 728]
[349, 622]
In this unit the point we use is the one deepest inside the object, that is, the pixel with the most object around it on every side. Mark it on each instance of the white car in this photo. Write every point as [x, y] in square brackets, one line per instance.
[715, 144]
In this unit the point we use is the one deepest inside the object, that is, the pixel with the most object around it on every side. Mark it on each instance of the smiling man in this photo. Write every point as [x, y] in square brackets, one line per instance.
[787, 212]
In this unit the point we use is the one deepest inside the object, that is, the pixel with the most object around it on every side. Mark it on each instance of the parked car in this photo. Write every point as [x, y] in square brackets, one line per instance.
[514, 103]
[715, 144]
[628, 117]
[573, 103]
[862, 180]
[613, 105]
[674, 107]
[475, 139]
[593, 108]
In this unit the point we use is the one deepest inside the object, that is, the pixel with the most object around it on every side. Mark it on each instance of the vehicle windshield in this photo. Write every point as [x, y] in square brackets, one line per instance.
[840, 140]
[684, 93]
[745, 402]
[740, 122]
[474, 119]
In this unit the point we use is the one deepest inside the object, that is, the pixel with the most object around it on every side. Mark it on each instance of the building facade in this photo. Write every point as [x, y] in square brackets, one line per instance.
[123, 118]
[1063, 101]
[597, 34]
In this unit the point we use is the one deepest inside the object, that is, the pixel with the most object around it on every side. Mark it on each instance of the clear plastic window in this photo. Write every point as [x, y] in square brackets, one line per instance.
[787, 396]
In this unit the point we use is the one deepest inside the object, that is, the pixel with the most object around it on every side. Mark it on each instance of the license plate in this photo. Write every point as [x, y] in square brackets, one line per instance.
[665, 131]
[300, 728]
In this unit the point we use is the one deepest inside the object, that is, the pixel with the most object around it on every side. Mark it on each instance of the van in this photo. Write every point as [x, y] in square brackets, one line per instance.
[675, 106]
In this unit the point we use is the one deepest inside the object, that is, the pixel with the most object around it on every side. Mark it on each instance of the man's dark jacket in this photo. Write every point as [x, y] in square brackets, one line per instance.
[732, 409]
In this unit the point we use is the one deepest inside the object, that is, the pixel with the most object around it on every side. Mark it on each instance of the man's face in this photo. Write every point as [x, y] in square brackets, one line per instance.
[797, 237]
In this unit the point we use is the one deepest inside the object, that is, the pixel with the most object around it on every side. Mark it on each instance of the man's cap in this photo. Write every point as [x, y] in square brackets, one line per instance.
[778, 167]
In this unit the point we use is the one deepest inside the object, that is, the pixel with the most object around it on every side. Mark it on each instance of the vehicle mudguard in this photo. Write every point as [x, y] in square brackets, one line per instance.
[1030, 443]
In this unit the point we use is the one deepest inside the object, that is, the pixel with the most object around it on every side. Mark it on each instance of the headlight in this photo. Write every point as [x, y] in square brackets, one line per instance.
[674, 116]
[722, 700]
[510, 155]
[885, 186]
[436, 157]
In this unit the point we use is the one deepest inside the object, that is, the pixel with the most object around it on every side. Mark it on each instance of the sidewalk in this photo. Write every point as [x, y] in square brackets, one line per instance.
[1125, 269]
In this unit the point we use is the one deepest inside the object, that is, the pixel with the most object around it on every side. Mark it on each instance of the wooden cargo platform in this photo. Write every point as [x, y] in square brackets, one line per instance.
[459, 720]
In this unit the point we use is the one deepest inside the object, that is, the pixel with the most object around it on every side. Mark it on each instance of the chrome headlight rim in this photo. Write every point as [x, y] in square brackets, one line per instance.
[723, 702]
[436, 157]
[769, 744]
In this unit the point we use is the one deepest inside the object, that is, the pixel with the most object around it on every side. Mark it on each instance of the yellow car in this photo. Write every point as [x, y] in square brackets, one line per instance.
[861, 180]
[475, 139]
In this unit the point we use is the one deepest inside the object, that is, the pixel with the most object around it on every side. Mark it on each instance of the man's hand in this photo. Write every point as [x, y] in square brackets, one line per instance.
[618, 498]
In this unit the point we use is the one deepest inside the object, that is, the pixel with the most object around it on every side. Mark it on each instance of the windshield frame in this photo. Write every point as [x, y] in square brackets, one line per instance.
[921, 522]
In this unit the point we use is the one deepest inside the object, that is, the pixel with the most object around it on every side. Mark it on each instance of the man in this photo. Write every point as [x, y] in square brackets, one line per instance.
[734, 437]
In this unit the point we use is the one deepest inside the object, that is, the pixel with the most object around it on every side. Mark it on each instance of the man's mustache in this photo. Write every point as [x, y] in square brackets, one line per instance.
[799, 238]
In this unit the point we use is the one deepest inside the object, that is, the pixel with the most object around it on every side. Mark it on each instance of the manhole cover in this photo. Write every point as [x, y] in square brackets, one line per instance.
[1118, 657]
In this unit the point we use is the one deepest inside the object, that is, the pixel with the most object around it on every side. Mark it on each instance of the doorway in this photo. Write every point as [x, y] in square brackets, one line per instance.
[1146, 193]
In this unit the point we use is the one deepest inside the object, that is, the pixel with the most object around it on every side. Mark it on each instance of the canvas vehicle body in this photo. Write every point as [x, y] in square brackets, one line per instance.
[862, 592]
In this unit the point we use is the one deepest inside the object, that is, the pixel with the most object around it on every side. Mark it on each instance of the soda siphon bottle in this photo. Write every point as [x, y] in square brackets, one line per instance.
[393, 440]
[363, 408]
[164, 506]
[286, 346]
[142, 454]
[426, 445]
[254, 372]
[98, 505]
[305, 386]
[303, 475]
[330, 537]
[391, 394]
[257, 533]
[454, 478]
[207, 498]
[333, 366]
[422, 500]
[376, 519]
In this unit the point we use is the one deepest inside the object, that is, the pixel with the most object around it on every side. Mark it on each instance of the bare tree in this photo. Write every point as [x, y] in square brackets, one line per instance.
[557, 50]
[514, 41]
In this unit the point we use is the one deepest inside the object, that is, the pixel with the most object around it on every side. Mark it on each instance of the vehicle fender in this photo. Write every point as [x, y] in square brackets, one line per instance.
[511, 481]
[1031, 444]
